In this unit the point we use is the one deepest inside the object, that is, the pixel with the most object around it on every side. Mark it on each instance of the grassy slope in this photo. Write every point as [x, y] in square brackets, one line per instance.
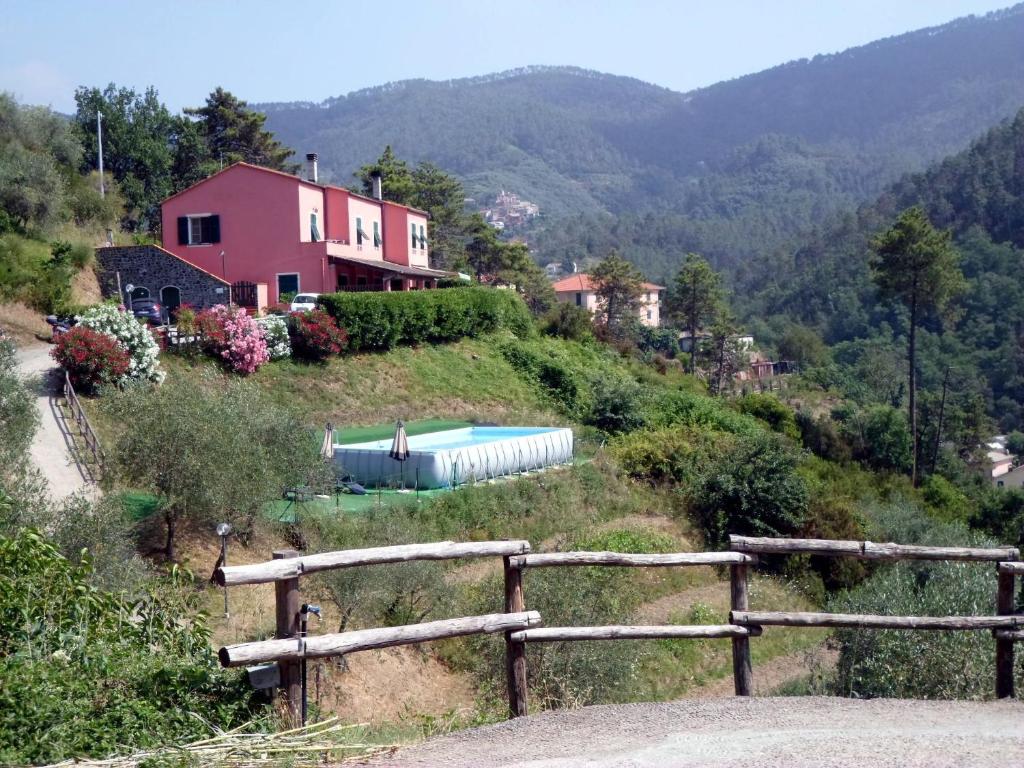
[470, 380]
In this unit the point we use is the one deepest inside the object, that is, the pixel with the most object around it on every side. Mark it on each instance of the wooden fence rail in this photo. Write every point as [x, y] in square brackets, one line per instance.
[341, 643]
[521, 627]
[92, 442]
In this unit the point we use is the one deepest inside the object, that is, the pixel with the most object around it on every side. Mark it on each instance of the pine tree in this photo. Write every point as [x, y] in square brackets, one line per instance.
[234, 133]
[618, 285]
[918, 266]
[697, 299]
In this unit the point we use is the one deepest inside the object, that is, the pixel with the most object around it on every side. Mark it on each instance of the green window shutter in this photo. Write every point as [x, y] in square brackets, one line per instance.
[359, 231]
[314, 230]
[183, 230]
[376, 234]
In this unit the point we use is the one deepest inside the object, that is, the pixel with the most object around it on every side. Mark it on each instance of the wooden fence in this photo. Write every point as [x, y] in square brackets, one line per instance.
[92, 443]
[521, 627]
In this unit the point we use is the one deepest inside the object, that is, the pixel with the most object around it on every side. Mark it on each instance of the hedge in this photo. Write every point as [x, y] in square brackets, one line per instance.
[382, 320]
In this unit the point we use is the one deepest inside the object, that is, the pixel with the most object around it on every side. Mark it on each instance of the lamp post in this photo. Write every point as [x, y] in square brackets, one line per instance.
[224, 530]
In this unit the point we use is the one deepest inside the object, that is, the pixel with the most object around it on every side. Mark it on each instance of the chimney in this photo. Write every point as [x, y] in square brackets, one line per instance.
[311, 174]
[378, 192]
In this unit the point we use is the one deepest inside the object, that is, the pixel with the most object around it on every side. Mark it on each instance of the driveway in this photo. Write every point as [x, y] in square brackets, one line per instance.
[51, 449]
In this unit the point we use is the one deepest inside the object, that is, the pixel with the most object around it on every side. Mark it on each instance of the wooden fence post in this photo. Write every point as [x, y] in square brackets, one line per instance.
[515, 652]
[741, 670]
[286, 594]
[1004, 647]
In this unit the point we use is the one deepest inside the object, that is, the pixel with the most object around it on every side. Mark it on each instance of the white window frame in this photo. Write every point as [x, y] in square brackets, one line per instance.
[195, 217]
[277, 283]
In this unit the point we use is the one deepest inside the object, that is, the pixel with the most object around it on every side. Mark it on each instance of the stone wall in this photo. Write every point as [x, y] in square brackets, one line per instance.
[155, 268]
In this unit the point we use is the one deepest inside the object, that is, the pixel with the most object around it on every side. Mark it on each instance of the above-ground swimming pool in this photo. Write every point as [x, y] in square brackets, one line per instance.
[455, 456]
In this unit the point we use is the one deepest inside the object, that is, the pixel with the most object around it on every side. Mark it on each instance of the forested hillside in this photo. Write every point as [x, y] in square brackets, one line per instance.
[979, 195]
[730, 170]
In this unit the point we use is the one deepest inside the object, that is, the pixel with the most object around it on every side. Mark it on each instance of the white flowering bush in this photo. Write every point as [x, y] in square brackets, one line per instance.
[125, 328]
[275, 331]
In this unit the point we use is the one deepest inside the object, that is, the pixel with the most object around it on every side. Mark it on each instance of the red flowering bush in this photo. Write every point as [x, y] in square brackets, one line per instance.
[91, 358]
[315, 335]
[233, 337]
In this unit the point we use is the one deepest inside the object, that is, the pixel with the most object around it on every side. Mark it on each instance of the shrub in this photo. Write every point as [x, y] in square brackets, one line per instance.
[771, 411]
[752, 489]
[928, 665]
[90, 358]
[670, 454]
[234, 338]
[821, 436]
[382, 320]
[880, 438]
[315, 336]
[185, 319]
[557, 381]
[135, 337]
[570, 322]
[93, 673]
[945, 501]
[275, 333]
[617, 405]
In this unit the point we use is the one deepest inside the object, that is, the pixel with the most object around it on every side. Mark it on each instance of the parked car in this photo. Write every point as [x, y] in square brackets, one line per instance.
[304, 301]
[148, 310]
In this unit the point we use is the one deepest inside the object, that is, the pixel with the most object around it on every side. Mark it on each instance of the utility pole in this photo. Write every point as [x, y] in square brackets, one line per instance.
[99, 138]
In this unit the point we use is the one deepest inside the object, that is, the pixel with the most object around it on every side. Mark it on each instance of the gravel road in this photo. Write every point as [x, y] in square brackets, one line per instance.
[804, 732]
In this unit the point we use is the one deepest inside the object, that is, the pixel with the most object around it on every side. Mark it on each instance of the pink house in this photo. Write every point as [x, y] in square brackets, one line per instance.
[579, 290]
[286, 234]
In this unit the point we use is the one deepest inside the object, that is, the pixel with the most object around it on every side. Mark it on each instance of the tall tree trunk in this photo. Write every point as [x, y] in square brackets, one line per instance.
[693, 343]
[912, 381]
[942, 414]
[171, 518]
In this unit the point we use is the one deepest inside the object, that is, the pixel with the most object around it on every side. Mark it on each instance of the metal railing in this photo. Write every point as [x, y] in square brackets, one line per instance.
[92, 442]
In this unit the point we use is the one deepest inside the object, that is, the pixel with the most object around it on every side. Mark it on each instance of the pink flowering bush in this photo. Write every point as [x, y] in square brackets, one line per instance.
[233, 337]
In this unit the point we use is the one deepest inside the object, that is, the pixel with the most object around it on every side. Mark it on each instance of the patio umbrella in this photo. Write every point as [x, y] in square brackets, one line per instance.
[327, 448]
[400, 448]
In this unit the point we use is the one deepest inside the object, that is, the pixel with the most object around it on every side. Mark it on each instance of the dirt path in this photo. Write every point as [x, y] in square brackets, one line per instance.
[51, 449]
[810, 732]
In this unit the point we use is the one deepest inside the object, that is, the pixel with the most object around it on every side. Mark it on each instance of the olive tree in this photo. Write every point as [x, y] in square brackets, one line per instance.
[210, 447]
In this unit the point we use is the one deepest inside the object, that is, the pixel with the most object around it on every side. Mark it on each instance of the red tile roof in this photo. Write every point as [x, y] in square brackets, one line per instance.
[582, 282]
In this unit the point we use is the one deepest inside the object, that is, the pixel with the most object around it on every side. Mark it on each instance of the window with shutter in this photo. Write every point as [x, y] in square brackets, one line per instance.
[314, 230]
[423, 237]
[376, 234]
[359, 231]
[412, 230]
[199, 230]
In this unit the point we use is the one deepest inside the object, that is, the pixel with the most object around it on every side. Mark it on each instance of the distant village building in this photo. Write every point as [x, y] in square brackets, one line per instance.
[578, 289]
[509, 211]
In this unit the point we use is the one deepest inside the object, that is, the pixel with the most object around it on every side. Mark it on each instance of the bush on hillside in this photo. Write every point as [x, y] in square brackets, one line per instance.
[134, 336]
[569, 322]
[556, 380]
[315, 335]
[678, 407]
[382, 320]
[91, 673]
[752, 489]
[617, 405]
[771, 411]
[91, 359]
[821, 436]
[233, 337]
[928, 665]
[880, 438]
[677, 455]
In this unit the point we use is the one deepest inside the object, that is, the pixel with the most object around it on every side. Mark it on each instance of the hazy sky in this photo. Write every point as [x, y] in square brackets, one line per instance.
[285, 51]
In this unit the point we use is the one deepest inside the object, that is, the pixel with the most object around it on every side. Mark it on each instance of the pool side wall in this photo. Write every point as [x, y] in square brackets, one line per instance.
[450, 467]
